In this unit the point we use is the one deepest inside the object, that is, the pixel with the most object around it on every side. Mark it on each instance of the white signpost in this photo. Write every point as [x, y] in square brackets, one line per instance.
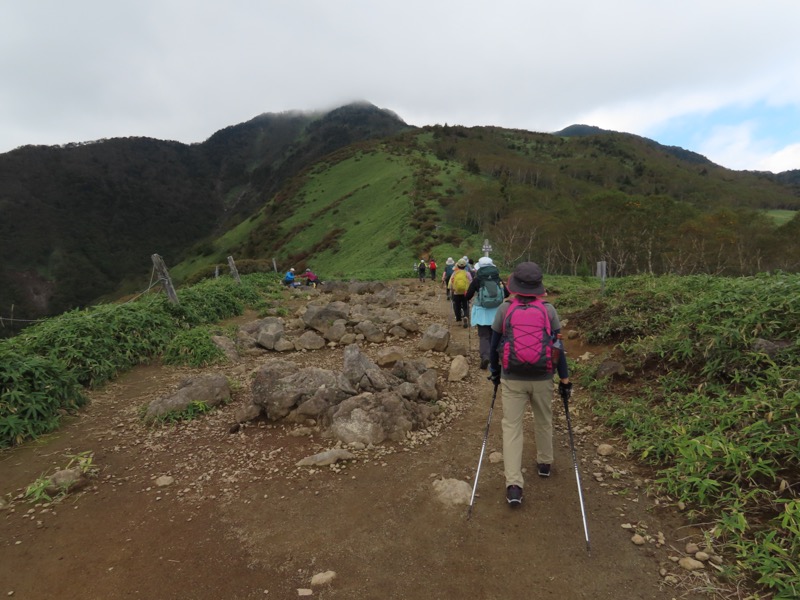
[601, 273]
[487, 247]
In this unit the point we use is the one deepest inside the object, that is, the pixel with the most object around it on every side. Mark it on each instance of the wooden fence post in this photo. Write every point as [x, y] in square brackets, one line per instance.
[163, 275]
[234, 270]
[274, 265]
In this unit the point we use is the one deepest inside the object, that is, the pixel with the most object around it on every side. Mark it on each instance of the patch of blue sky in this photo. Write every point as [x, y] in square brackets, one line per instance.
[757, 131]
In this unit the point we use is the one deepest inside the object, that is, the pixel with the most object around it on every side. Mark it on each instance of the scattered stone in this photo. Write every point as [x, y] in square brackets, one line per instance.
[301, 432]
[638, 539]
[456, 348]
[309, 341]
[610, 368]
[436, 337]
[770, 348]
[692, 548]
[248, 412]
[371, 332]
[304, 592]
[459, 369]
[326, 458]
[211, 389]
[227, 345]
[387, 357]
[323, 578]
[284, 345]
[605, 449]
[496, 457]
[66, 480]
[452, 492]
[164, 481]
[269, 333]
[702, 556]
[690, 564]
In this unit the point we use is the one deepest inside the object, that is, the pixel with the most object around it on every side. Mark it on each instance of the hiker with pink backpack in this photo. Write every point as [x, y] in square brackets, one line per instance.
[525, 354]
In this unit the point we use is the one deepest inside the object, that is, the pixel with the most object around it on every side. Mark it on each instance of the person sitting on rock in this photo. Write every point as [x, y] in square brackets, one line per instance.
[289, 279]
[311, 278]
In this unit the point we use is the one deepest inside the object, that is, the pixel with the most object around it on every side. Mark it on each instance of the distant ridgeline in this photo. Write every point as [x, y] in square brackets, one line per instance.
[358, 192]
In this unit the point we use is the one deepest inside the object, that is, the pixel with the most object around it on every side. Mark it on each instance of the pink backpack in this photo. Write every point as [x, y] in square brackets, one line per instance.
[527, 345]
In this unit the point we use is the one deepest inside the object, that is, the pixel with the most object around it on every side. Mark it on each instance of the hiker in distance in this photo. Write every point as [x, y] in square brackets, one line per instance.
[432, 268]
[311, 278]
[449, 266]
[421, 269]
[525, 351]
[289, 279]
[458, 286]
[488, 292]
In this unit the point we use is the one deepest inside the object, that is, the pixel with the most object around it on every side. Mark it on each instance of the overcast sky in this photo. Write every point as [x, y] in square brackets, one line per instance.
[719, 77]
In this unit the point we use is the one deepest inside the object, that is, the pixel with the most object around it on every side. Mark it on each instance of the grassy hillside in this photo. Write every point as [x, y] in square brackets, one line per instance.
[373, 209]
[356, 192]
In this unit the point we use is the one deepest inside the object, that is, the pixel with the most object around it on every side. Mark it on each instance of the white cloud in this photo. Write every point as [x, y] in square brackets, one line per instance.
[785, 159]
[180, 69]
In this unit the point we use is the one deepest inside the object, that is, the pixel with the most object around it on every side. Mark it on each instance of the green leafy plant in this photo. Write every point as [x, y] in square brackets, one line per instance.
[721, 418]
[194, 410]
[193, 348]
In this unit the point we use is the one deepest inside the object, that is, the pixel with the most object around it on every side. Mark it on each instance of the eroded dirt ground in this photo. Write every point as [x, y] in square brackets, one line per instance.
[242, 522]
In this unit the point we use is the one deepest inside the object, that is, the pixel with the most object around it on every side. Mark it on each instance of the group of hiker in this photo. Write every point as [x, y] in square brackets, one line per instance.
[421, 267]
[290, 280]
[519, 341]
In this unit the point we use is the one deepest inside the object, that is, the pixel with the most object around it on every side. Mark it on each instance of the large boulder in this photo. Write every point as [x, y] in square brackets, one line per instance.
[370, 331]
[309, 341]
[436, 337]
[364, 374]
[459, 369]
[212, 389]
[227, 345]
[336, 331]
[322, 317]
[386, 297]
[280, 396]
[409, 370]
[427, 385]
[269, 334]
[372, 418]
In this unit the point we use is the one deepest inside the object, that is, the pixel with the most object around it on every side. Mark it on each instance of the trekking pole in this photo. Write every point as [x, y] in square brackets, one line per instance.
[483, 448]
[565, 397]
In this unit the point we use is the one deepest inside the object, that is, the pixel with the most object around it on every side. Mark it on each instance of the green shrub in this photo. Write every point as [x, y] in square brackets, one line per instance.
[721, 422]
[34, 391]
[193, 348]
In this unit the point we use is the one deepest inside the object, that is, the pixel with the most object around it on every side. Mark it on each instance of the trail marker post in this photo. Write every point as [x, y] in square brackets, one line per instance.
[163, 276]
[487, 247]
[234, 270]
[601, 273]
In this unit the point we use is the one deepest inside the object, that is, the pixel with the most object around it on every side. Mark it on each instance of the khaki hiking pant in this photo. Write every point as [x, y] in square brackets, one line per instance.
[515, 398]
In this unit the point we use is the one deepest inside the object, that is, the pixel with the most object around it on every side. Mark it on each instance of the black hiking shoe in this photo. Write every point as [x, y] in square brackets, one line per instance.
[514, 495]
[544, 470]
[484, 363]
[466, 322]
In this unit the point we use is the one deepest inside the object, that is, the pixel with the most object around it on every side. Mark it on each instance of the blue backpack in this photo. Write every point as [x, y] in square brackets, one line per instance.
[490, 292]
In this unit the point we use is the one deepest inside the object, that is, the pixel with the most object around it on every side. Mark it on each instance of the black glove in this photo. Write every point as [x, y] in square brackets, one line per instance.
[565, 389]
[495, 376]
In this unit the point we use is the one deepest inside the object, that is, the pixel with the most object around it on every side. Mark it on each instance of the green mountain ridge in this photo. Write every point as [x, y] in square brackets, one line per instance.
[357, 191]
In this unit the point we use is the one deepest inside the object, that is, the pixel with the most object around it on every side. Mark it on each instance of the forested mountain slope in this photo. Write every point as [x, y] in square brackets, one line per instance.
[356, 191]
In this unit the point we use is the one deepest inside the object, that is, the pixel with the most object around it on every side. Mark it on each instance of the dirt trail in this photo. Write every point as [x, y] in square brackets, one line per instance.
[242, 522]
